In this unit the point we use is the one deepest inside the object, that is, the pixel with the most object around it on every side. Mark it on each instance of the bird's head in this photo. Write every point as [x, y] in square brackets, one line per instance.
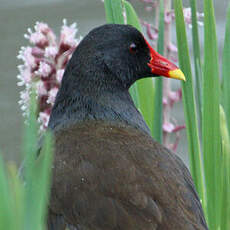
[124, 53]
[107, 61]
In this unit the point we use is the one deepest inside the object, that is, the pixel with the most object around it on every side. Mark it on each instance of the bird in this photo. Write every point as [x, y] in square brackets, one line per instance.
[108, 172]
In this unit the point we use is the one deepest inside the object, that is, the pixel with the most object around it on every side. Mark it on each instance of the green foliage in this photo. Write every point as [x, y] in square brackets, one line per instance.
[131, 16]
[225, 69]
[113, 11]
[24, 200]
[197, 58]
[215, 193]
[210, 117]
[224, 202]
[189, 101]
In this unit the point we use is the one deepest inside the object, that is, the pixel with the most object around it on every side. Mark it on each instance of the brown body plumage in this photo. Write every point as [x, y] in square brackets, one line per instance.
[113, 176]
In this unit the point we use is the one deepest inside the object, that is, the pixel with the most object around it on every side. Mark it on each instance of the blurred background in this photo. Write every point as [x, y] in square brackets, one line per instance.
[18, 15]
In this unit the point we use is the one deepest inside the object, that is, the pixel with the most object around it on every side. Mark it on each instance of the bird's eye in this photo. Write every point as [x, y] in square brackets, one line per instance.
[133, 48]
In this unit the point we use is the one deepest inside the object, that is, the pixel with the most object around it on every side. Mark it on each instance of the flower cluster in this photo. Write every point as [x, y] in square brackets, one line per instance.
[43, 66]
[152, 31]
[170, 97]
[169, 17]
[171, 126]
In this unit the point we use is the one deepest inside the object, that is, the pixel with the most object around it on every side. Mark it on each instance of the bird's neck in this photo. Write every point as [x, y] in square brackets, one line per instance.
[109, 105]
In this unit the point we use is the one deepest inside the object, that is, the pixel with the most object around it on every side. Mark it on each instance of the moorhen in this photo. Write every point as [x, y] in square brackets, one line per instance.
[108, 173]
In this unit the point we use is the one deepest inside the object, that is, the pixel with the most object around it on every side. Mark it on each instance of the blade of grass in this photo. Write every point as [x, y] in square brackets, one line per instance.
[197, 58]
[146, 95]
[225, 173]
[108, 11]
[117, 8]
[30, 151]
[5, 200]
[225, 128]
[135, 96]
[17, 197]
[158, 105]
[189, 102]
[210, 118]
[131, 16]
[43, 174]
[114, 11]
[225, 69]
[37, 172]
[160, 42]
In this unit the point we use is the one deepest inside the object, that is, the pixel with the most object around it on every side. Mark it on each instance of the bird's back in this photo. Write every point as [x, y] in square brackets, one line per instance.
[112, 176]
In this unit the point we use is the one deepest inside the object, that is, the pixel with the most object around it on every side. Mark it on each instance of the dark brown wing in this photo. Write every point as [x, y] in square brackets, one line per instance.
[109, 176]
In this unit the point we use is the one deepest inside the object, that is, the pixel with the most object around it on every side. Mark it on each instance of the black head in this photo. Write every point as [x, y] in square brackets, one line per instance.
[124, 52]
[102, 68]
[118, 54]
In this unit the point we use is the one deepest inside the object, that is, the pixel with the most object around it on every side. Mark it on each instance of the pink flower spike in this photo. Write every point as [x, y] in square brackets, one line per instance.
[43, 66]
[168, 17]
[172, 48]
[41, 89]
[24, 102]
[168, 127]
[200, 23]
[25, 54]
[42, 36]
[25, 75]
[52, 96]
[68, 34]
[175, 145]
[152, 34]
[51, 51]
[44, 69]
[59, 75]
[175, 96]
[178, 128]
[200, 15]
[47, 31]
[37, 52]
[25, 97]
[44, 120]
[165, 101]
[38, 38]
[41, 27]
[187, 15]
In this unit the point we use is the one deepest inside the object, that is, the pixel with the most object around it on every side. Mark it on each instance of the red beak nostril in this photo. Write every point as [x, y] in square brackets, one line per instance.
[162, 66]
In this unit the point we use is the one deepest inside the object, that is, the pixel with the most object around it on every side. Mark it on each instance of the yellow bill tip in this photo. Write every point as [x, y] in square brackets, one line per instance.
[177, 74]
